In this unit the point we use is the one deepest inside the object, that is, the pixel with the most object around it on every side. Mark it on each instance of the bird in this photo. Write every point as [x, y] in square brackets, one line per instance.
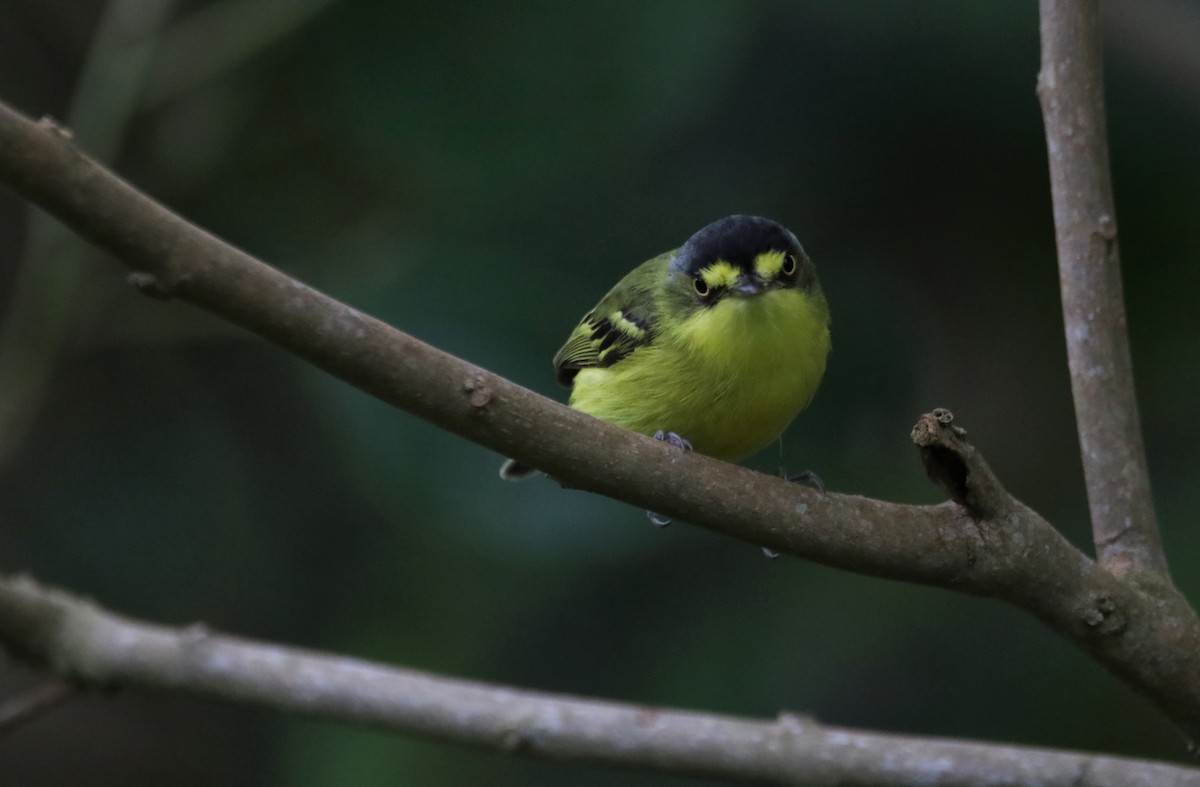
[715, 346]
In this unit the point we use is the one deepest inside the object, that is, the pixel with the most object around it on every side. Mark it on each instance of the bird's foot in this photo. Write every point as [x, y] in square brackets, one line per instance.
[512, 470]
[810, 479]
[658, 520]
[672, 439]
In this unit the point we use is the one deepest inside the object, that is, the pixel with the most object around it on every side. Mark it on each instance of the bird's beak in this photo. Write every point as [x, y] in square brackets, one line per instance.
[749, 285]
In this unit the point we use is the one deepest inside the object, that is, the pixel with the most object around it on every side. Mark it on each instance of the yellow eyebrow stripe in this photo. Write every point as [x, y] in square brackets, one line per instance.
[768, 264]
[720, 274]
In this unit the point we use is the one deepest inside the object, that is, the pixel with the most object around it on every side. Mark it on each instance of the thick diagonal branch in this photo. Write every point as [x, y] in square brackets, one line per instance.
[1071, 90]
[988, 543]
[98, 648]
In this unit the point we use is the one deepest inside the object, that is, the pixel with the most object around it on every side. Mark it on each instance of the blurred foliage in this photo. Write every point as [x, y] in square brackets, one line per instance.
[478, 174]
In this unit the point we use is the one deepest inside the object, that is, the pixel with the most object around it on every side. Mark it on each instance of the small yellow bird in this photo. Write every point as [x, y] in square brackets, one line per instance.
[719, 343]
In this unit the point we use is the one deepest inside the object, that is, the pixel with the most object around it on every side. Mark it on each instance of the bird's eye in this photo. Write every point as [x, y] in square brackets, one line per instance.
[701, 286]
[789, 265]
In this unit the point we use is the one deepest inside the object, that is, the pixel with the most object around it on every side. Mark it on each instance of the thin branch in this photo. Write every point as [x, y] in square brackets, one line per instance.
[990, 545]
[1071, 90]
[18, 711]
[1159, 38]
[99, 647]
[135, 61]
[217, 38]
[46, 302]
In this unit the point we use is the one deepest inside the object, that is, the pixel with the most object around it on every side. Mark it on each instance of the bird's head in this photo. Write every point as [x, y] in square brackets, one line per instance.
[740, 257]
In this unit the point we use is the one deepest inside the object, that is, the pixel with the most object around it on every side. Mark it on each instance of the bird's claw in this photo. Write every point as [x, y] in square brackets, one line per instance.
[658, 520]
[810, 479]
[672, 439]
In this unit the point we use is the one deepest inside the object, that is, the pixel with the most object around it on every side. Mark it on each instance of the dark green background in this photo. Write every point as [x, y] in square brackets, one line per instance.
[478, 174]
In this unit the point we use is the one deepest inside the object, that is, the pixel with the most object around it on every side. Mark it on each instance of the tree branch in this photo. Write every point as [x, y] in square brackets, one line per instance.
[989, 545]
[99, 647]
[27, 706]
[1071, 90]
[1159, 37]
[47, 297]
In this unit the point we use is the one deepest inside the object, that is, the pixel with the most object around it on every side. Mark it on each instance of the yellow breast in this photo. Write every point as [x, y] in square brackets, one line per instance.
[729, 378]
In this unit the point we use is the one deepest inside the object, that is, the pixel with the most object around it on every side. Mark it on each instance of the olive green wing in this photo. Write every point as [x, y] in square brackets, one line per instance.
[624, 320]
